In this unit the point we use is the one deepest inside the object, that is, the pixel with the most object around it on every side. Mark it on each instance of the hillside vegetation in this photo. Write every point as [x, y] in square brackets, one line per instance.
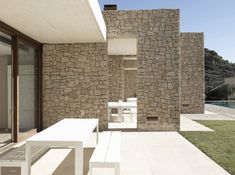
[216, 70]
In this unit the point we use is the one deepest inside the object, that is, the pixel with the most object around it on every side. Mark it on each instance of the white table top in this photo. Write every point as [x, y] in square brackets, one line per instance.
[67, 130]
[122, 104]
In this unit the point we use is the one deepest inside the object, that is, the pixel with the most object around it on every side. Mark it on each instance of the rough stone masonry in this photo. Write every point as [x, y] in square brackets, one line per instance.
[76, 76]
[157, 34]
[192, 73]
[115, 78]
[75, 82]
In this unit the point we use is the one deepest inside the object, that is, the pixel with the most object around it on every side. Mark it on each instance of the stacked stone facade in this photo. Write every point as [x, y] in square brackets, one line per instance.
[192, 72]
[121, 82]
[80, 79]
[75, 82]
[157, 34]
[130, 84]
[130, 63]
[130, 78]
[116, 78]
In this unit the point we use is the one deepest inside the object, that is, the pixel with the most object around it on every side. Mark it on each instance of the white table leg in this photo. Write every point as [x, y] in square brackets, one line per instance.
[131, 114]
[79, 160]
[97, 133]
[122, 118]
[90, 169]
[28, 159]
[117, 169]
[23, 169]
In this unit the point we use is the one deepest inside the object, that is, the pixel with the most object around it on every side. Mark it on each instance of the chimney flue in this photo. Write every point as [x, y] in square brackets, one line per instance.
[110, 7]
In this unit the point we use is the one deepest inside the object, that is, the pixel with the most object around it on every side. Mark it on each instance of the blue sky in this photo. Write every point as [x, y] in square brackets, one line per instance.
[216, 18]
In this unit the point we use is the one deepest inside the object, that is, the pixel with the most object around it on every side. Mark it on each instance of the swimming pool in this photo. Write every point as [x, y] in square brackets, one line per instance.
[229, 104]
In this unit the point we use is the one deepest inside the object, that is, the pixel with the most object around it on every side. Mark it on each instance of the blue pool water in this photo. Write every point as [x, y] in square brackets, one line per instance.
[229, 104]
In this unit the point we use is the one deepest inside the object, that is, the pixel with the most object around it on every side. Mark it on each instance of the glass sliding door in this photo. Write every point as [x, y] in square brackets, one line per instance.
[5, 89]
[20, 85]
[27, 87]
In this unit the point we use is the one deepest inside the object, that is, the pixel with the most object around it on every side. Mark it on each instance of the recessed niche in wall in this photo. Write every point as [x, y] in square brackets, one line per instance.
[152, 118]
[122, 46]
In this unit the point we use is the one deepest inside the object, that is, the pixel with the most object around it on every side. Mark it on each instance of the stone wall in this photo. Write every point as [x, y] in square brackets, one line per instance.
[75, 82]
[192, 72]
[130, 83]
[157, 34]
[122, 83]
[130, 78]
[130, 63]
[116, 78]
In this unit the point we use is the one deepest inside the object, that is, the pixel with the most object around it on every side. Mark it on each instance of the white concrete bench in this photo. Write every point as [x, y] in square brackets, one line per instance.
[15, 157]
[49, 163]
[107, 152]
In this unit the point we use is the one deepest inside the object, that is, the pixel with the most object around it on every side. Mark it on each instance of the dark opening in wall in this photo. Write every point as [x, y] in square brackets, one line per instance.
[185, 105]
[152, 118]
[110, 7]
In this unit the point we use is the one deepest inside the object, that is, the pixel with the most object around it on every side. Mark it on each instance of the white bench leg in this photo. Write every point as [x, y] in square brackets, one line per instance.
[90, 169]
[97, 133]
[28, 159]
[79, 160]
[23, 170]
[117, 169]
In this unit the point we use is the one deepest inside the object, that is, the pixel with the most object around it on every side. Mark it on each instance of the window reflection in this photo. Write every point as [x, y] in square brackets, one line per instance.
[26, 87]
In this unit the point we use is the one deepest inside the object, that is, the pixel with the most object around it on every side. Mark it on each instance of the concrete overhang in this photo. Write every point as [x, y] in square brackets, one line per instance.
[56, 21]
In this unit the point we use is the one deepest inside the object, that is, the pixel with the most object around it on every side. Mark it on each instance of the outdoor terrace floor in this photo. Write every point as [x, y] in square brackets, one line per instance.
[150, 153]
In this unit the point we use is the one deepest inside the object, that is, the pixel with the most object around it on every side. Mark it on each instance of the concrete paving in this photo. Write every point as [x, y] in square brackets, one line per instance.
[207, 117]
[187, 124]
[156, 153]
[213, 112]
[148, 153]
[142, 153]
[164, 153]
[220, 110]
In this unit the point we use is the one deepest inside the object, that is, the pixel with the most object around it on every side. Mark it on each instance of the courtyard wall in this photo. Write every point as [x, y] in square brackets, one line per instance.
[192, 73]
[75, 82]
[80, 79]
[157, 34]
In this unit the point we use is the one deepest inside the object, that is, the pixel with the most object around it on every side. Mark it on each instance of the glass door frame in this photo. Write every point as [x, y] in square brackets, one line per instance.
[16, 37]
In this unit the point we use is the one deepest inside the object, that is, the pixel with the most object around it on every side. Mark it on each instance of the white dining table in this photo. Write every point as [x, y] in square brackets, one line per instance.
[67, 133]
